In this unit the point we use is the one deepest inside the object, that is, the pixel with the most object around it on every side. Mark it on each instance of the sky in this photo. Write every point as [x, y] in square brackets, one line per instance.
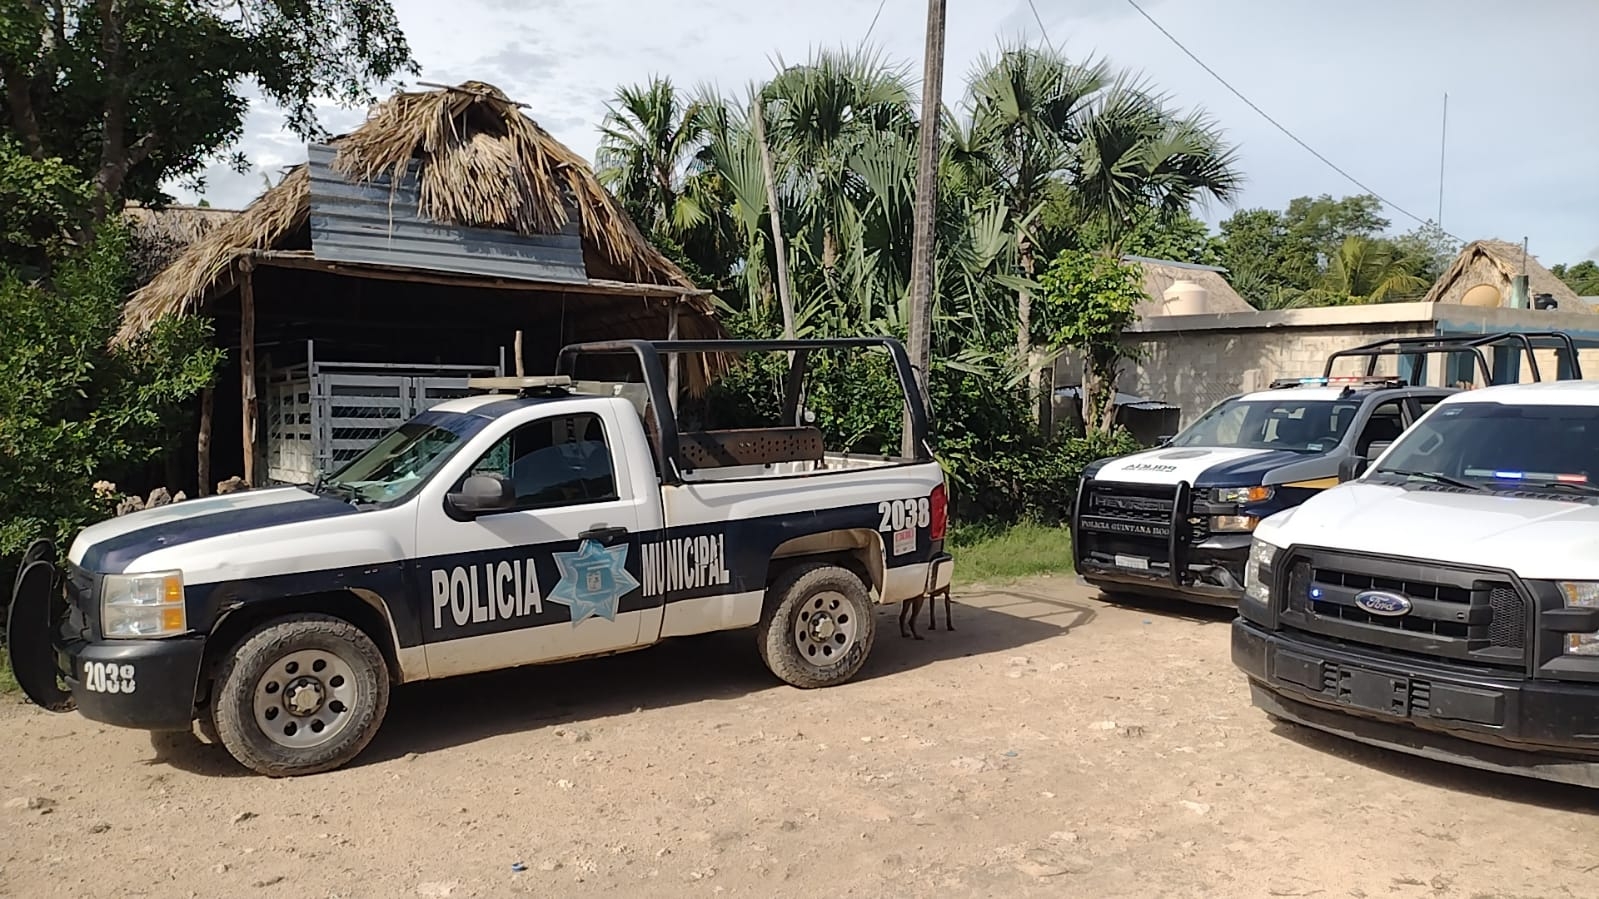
[1360, 81]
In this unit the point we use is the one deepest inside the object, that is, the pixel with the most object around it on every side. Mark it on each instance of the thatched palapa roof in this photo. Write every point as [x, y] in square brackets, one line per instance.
[1496, 263]
[163, 234]
[479, 162]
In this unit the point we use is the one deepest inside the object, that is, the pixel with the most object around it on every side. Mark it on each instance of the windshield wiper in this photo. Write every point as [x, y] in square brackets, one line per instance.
[1575, 487]
[347, 491]
[1436, 478]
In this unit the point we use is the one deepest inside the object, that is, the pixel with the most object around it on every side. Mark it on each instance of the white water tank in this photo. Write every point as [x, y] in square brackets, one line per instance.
[1185, 297]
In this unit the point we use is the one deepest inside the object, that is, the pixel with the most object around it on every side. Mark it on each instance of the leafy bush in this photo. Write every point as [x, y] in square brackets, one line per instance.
[1088, 300]
[999, 471]
[1031, 483]
[72, 413]
[43, 204]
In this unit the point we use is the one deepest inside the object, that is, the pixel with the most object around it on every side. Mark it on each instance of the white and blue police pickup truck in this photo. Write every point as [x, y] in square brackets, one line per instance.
[1446, 602]
[565, 519]
[1176, 521]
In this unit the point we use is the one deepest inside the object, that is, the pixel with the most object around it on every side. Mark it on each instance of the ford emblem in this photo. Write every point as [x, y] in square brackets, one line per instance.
[1381, 602]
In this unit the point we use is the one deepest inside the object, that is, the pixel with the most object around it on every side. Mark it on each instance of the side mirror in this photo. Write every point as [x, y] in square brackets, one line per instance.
[482, 494]
[1164, 439]
[1350, 468]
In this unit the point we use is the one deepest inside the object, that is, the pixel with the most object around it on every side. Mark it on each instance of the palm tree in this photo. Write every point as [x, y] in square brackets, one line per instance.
[648, 139]
[1369, 271]
[826, 116]
[1024, 106]
[1135, 158]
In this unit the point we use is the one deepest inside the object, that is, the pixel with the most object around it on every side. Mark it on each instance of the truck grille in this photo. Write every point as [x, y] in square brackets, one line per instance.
[1127, 510]
[1456, 613]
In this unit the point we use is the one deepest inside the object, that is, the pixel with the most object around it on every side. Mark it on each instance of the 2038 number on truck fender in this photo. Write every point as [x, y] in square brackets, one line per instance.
[299, 695]
[817, 627]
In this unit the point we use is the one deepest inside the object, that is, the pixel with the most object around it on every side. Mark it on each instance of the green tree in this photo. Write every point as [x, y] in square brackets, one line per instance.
[133, 93]
[1026, 106]
[650, 136]
[828, 119]
[1428, 249]
[1180, 237]
[1269, 252]
[1090, 299]
[1582, 277]
[1139, 163]
[1091, 149]
[69, 413]
[42, 202]
[1371, 271]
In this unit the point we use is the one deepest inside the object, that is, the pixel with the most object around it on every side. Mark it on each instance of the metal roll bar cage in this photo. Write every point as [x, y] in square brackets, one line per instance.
[1418, 347]
[649, 354]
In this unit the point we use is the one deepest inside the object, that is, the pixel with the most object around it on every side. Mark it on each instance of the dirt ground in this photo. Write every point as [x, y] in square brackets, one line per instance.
[1050, 745]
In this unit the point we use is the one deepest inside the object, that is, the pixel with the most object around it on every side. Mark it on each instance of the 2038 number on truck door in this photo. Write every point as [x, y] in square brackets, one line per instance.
[900, 514]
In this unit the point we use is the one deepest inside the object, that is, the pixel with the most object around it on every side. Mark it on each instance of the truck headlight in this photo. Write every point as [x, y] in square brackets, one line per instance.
[1233, 524]
[143, 605]
[1258, 571]
[1240, 495]
[1581, 595]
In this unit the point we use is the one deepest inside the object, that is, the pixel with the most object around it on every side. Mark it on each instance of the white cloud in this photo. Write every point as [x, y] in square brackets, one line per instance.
[1521, 141]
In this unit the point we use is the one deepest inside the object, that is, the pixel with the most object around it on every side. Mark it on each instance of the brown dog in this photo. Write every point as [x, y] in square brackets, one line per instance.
[910, 608]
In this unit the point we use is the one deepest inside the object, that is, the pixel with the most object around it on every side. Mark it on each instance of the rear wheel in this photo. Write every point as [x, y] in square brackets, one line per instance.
[299, 695]
[817, 627]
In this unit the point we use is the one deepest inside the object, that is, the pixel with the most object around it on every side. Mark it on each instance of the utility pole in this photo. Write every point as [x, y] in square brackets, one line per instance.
[922, 256]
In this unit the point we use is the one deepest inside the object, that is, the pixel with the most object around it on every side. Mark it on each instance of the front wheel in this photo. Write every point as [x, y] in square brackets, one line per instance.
[817, 626]
[299, 695]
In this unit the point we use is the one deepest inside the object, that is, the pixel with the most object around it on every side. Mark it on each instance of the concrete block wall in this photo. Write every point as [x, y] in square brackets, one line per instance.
[1197, 369]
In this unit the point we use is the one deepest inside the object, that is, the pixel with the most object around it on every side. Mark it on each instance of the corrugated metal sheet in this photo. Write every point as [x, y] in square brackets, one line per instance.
[369, 224]
[1125, 400]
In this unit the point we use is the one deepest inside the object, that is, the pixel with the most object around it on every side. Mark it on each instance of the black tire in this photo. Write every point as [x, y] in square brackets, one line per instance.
[233, 696]
[816, 589]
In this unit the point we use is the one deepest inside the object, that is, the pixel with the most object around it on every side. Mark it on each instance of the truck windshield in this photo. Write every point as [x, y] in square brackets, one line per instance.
[1502, 446]
[392, 468]
[1305, 426]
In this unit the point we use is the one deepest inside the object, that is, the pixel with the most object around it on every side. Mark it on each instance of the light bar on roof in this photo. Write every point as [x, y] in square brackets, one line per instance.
[1347, 379]
[1501, 474]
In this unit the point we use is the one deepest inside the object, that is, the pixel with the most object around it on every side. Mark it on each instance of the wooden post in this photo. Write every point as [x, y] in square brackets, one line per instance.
[674, 360]
[923, 262]
[202, 444]
[520, 371]
[247, 365]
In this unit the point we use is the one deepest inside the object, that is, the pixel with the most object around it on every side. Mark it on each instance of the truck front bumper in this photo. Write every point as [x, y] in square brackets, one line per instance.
[144, 684]
[1208, 577]
[1496, 722]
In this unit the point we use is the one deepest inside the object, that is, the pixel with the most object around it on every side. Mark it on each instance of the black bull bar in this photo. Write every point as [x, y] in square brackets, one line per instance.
[1176, 531]
[38, 607]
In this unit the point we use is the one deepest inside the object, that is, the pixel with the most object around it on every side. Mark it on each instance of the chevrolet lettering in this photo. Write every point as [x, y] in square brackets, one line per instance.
[536, 520]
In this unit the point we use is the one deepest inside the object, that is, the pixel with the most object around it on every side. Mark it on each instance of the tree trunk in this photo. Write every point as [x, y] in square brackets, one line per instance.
[1024, 321]
[202, 444]
[784, 297]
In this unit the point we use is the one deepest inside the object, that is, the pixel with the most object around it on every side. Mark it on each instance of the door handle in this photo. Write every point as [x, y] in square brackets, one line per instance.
[603, 534]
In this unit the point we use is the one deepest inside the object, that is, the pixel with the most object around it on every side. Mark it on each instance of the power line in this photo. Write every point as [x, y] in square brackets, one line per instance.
[1041, 29]
[874, 21]
[1278, 125]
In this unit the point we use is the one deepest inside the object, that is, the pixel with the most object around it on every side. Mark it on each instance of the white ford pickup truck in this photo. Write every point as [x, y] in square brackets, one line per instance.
[1446, 602]
[566, 518]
